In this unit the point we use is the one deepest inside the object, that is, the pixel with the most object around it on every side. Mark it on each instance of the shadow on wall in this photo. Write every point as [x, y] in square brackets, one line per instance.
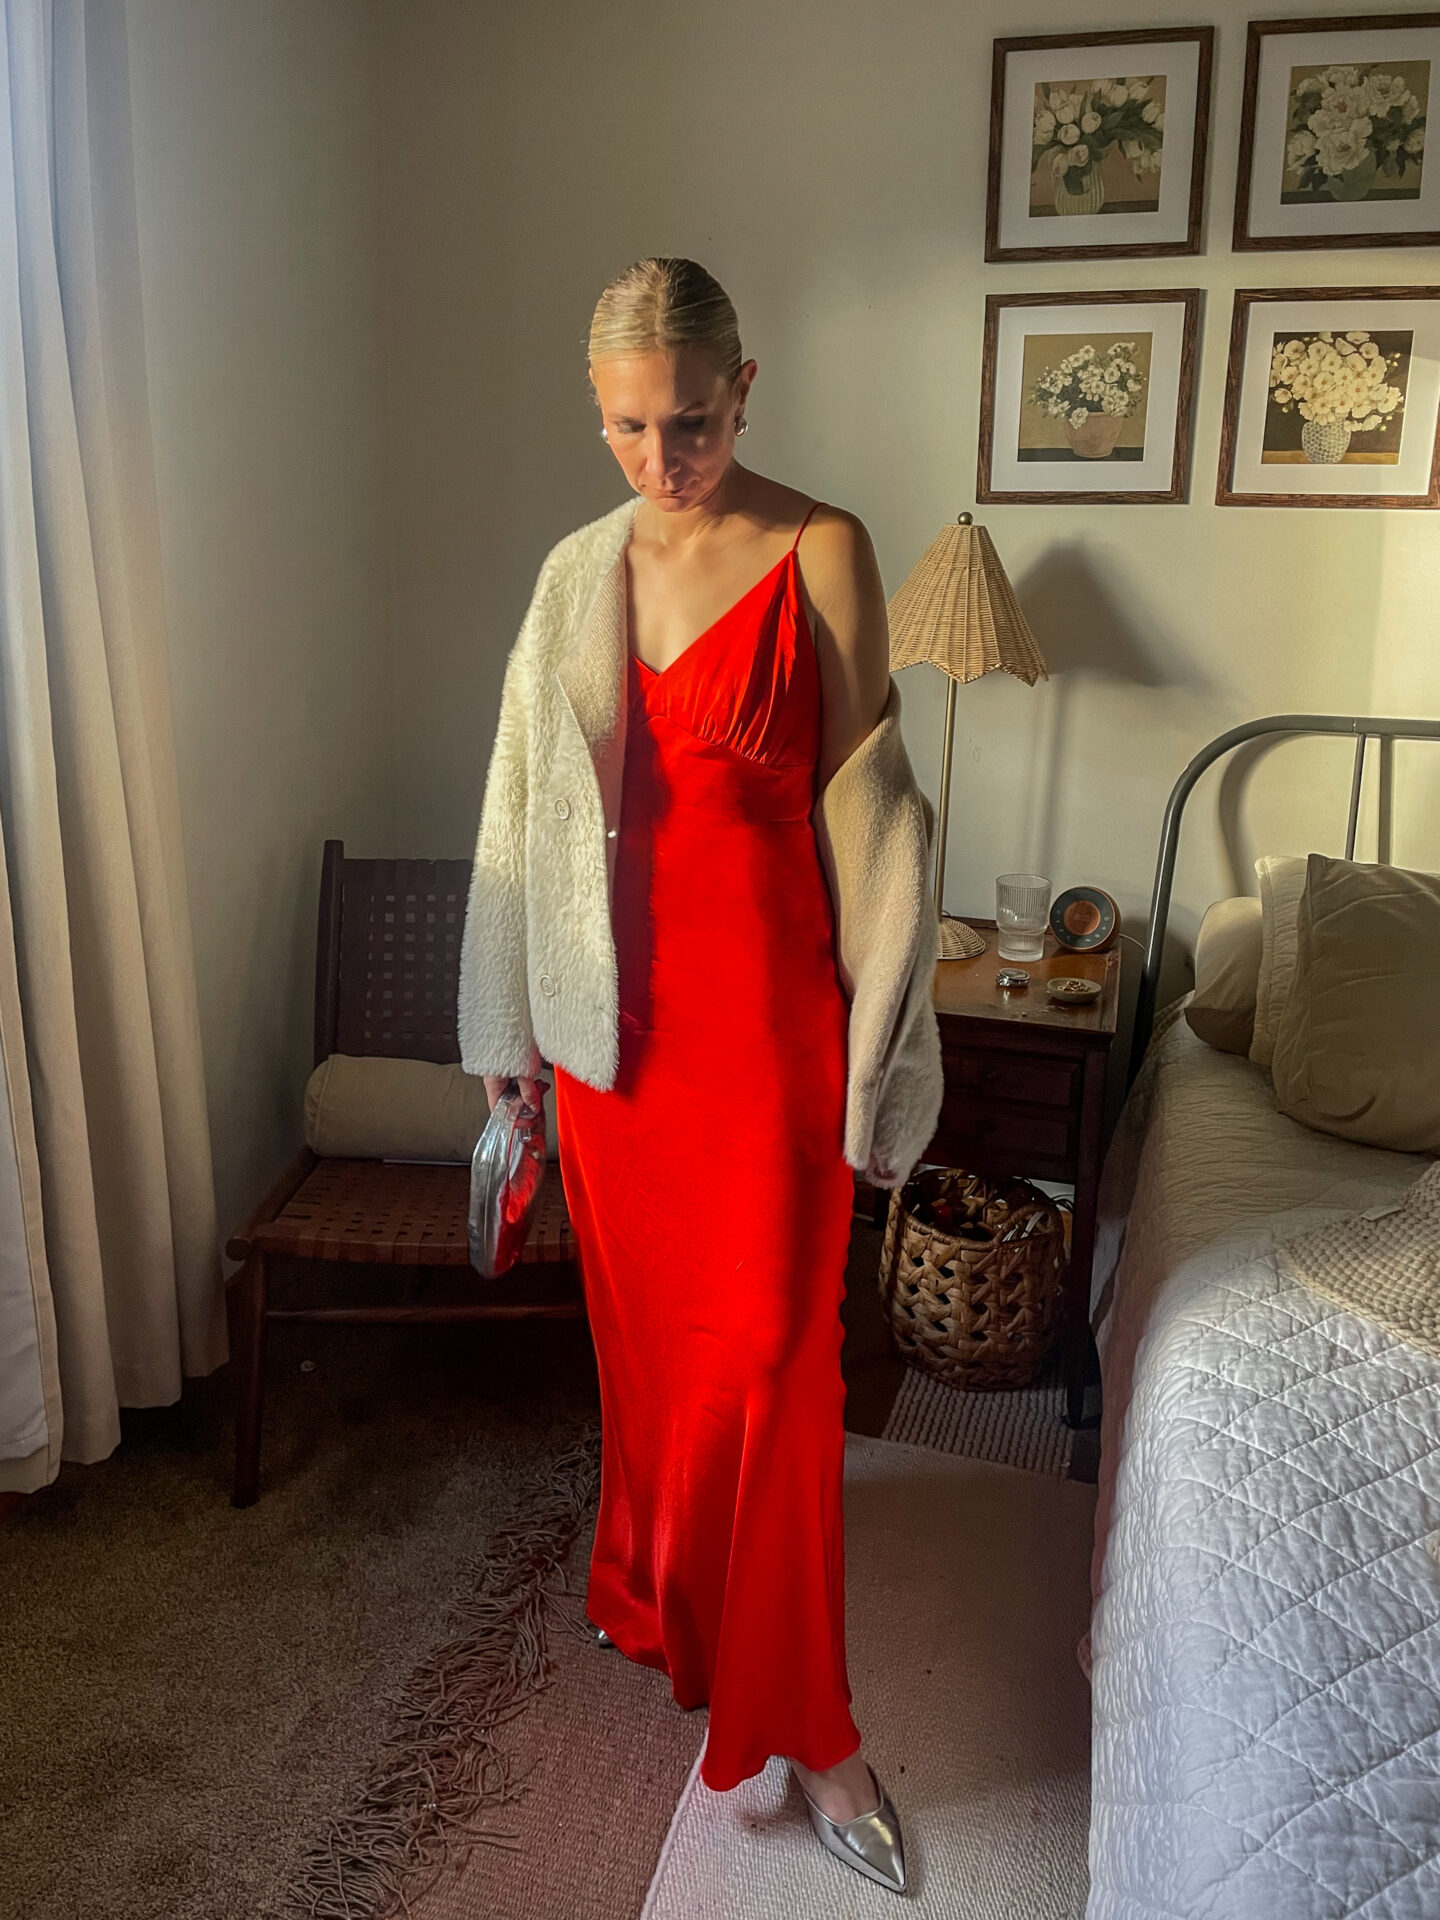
[1096, 630]
[1099, 630]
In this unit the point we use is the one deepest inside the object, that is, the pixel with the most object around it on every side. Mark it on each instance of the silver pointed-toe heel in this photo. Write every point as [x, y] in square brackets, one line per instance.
[599, 1632]
[871, 1843]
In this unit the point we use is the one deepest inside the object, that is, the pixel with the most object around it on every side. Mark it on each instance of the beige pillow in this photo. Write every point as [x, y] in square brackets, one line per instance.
[1227, 974]
[1357, 1050]
[368, 1107]
[1282, 881]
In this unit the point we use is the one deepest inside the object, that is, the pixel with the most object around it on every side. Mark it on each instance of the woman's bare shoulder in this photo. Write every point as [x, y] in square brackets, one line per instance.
[848, 621]
[837, 561]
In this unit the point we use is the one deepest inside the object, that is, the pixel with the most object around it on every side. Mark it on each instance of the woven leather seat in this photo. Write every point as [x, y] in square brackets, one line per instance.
[386, 982]
[400, 1215]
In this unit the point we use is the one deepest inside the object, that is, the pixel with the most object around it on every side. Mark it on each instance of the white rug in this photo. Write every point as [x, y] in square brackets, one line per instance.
[967, 1589]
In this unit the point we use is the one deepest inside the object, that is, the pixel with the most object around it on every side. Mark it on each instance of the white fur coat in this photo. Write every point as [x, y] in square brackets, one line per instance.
[538, 976]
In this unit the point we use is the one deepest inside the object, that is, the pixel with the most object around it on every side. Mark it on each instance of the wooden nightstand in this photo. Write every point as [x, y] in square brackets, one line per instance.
[1025, 1093]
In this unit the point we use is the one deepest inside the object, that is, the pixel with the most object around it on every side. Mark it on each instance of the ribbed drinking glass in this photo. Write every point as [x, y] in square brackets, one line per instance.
[1022, 910]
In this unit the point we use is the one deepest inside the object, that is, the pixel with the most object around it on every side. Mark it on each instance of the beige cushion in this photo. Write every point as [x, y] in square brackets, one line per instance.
[1357, 1051]
[1227, 975]
[1282, 881]
[372, 1108]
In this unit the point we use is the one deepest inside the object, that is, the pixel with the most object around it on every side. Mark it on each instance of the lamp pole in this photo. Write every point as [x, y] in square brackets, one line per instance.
[944, 796]
[947, 753]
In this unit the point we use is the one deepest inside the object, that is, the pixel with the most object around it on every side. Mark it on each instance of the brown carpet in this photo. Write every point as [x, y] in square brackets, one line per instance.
[188, 1691]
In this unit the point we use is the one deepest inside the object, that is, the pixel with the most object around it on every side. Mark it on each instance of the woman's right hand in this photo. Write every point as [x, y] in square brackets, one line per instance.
[531, 1091]
[532, 1088]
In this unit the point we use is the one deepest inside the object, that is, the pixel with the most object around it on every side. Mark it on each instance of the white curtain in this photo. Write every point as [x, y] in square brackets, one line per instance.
[110, 1274]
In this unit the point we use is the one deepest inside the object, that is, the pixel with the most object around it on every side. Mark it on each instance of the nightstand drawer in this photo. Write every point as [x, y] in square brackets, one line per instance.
[1000, 1127]
[1039, 1079]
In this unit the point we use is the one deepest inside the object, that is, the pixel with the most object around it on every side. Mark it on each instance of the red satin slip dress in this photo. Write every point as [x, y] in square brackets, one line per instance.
[711, 1201]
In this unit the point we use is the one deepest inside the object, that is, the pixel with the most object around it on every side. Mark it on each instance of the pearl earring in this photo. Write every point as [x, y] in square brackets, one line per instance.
[604, 433]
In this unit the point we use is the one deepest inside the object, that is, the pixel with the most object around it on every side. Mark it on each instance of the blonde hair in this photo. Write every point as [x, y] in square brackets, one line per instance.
[662, 303]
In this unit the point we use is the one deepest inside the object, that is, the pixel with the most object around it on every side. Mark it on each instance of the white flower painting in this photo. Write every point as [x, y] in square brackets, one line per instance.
[1087, 396]
[1080, 396]
[1334, 131]
[1332, 398]
[1337, 396]
[1098, 144]
[1356, 132]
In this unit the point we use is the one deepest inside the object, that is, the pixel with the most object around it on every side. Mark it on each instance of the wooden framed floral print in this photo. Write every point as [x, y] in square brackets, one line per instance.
[1087, 396]
[1097, 144]
[1332, 398]
[1332, 140]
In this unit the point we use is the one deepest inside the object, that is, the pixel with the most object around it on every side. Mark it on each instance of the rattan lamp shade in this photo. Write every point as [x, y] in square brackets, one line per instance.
[957, 611]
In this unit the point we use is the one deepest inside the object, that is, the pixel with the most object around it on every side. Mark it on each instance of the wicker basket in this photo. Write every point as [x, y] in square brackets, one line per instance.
[972, 1273]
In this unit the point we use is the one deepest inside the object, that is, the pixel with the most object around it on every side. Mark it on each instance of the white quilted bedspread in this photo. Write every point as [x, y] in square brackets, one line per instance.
[1266, 1630]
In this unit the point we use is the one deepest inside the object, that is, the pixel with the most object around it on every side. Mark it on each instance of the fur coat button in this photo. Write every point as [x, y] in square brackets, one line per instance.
[547, 985]
[562, 807]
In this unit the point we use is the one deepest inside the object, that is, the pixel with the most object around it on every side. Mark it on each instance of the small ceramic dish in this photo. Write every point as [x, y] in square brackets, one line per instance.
[1074, 992]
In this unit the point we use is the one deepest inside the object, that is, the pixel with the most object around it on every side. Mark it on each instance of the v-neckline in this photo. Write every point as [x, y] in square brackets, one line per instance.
[659, 673]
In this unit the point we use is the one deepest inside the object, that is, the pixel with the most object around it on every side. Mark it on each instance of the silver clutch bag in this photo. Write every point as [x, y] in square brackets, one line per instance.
[507, 1171]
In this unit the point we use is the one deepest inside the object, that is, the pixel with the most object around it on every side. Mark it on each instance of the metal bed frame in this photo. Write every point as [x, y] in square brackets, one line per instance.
[1362, 728]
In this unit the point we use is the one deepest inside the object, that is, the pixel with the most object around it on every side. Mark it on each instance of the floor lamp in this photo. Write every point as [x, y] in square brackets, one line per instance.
[957, 610]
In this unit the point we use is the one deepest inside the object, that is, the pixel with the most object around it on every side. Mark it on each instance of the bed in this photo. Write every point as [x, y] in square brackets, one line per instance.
[1265, 1634]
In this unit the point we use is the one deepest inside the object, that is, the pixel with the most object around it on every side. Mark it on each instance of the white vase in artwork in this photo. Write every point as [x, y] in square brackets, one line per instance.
[1095, 437]
[1089, 199]
[1324, 441]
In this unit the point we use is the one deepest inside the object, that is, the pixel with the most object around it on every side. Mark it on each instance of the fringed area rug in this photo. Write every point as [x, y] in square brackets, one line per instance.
[1024, 1428]
[441, 1778]
[967, 1585]
[603, 1752]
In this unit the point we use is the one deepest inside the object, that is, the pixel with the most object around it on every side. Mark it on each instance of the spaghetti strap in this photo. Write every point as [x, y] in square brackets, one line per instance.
[803, 524]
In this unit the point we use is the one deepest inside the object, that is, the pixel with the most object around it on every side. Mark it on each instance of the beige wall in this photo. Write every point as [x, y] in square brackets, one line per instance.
[827, 163]
[373, 233]
[257, 159]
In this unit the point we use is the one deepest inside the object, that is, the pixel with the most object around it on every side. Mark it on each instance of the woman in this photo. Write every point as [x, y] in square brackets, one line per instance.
[707, 1186]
